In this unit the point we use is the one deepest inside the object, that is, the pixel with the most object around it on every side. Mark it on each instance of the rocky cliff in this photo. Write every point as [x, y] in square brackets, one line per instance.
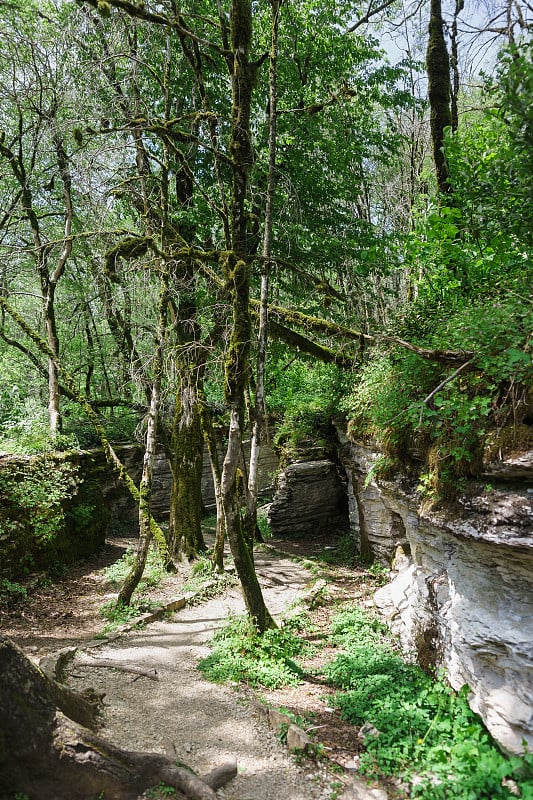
[461, 590]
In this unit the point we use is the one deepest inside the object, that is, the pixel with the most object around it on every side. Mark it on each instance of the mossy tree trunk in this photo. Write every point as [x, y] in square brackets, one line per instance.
[187, 445]
[236, 267]
[439, 92]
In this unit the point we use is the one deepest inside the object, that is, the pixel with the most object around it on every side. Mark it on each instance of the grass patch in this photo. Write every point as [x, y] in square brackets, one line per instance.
[118, 615]
[205, 582]
[428, 735]
[243, 655]
[154, 571]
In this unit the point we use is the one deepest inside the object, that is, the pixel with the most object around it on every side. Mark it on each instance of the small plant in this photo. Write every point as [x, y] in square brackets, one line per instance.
[157, 792]
[205, 582]
[343, 553]
[242, 654]
[419, 729]
[11, 592]
[154, 570]
[262, 524]
[118, 615]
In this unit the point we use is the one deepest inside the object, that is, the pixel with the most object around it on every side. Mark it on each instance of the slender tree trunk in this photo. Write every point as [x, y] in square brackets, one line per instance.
[454, 63]
[145, 490]
[259, 410]
[216, 472]
[54, 394]
[439, 91]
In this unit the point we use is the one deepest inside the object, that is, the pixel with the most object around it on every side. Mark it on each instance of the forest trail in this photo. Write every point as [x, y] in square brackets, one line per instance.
[203, 723]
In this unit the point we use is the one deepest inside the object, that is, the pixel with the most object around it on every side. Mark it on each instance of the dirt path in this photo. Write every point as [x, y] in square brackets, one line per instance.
[206, 724]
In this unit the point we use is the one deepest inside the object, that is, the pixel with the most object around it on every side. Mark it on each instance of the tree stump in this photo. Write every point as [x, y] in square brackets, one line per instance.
[48, 750]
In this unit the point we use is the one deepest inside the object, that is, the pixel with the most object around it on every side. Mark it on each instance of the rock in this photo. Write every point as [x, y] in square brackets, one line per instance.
[297, 740]
[277, 720]
[359, 790]
[310, 497]
[462, 592]
[368, 730]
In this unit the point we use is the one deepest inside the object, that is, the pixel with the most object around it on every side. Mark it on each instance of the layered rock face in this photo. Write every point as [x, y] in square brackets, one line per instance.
[461, 594]
[310, 498]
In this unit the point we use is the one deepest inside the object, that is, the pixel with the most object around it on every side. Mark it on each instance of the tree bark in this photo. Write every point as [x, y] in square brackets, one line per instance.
[236, 267]
[47, 755]
[185, 530]
[145, 489]
[439, 92]
[259, 410]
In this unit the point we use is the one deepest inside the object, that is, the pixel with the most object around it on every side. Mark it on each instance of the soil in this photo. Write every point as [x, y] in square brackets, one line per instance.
[180, 712]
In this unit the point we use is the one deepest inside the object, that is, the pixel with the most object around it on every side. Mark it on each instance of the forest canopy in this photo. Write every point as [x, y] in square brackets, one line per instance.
[216, 213]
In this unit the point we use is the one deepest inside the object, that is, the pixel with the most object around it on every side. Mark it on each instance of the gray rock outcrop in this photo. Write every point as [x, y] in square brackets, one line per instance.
[461, 594]
[310, 498]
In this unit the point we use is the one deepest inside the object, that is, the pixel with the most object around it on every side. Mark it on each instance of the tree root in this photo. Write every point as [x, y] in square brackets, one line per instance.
[47, 755]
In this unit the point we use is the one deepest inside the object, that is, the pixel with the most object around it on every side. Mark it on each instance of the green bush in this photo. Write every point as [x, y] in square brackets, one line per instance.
[242, 654]
[422, 732]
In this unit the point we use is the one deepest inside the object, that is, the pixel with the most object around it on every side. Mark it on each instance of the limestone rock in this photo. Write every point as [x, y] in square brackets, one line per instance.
[310, 498]
[461, 596]
[297, 739]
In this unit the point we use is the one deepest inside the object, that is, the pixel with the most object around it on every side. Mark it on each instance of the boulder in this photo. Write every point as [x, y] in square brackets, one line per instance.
[310, 498]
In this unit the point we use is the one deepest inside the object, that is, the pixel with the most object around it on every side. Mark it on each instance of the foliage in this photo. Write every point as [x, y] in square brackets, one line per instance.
[154, 571]
[34, 496]
[420, 731]
[241, 654]
[117, 614]
[159, 791]
[343, 552]
[11, 592]
[204, 581]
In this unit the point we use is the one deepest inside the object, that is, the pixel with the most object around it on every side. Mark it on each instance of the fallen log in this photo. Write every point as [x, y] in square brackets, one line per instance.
[46, 755]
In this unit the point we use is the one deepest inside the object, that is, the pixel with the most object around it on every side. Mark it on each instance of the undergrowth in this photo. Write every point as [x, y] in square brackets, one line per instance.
[204, 582]
[421, 731]
[154, 572]
[241, 654]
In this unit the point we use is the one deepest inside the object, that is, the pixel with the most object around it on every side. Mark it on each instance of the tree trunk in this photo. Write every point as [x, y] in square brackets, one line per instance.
[259, 410]
[145, 490]
[47, 755]
[231, 497]
[216, 472]
[237, 276]
[185, 534]
[439, 92]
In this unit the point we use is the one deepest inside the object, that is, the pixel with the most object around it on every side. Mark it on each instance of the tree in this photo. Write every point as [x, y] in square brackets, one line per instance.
[63, 756]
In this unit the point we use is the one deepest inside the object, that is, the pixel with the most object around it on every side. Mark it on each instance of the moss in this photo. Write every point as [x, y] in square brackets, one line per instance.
[131, 247]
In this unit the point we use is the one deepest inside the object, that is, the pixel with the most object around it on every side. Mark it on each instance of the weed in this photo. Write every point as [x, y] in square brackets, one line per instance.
[205, 582]
[118, 615]
[344, 553]
[419, 729]
[242, 654]
[11, 592]
[262, 524]
[157, 792]
[154, 571]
